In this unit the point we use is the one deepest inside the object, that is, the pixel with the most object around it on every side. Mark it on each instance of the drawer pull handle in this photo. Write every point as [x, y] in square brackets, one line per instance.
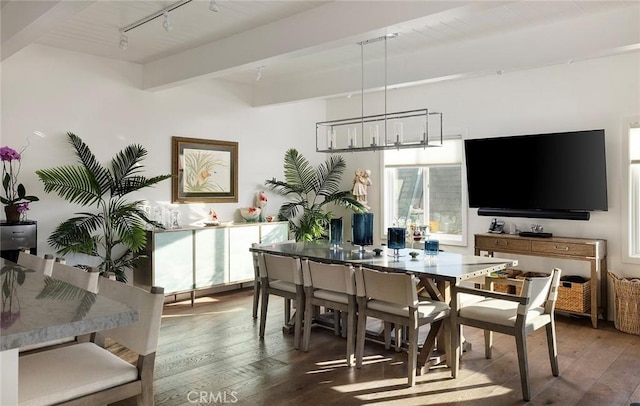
[505, 243]
[561, 248]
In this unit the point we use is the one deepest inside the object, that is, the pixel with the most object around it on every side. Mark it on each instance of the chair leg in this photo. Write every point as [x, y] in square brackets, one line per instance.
[308, 317]
[263, 309]
[256, 298]
[553, 349]
[399, 336]
[343, 323]
[297, 329]
[362, 326]
[287, 311]
[488, 344]
[336, 322]
[521, 347]
[351, 330]
[413, 348]
[387, 335]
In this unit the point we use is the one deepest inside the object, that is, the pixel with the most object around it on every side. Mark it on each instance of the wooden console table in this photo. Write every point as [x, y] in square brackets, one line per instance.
[581, 249]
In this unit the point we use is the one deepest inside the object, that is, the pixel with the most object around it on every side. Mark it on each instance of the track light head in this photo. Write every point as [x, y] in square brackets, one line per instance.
[259, 73]
[124, 41]
[166, 24]
[213, 6]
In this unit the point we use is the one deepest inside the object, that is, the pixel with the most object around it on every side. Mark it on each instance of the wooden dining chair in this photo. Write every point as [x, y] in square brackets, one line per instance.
[257, 283]
[281, 276]
[517, 316]
[86, 373]
[41, 264]
[392, 297]
[334, 287]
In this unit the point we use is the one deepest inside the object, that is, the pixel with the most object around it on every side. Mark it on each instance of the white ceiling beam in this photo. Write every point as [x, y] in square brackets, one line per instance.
[581, 38]
[23, 22]
[330, 25]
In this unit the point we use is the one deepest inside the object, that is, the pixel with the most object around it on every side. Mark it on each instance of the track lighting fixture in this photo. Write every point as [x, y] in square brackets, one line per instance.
[166, 24]
[124, 41]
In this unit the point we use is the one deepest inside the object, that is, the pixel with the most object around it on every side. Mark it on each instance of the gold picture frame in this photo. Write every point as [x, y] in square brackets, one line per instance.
[204, 171]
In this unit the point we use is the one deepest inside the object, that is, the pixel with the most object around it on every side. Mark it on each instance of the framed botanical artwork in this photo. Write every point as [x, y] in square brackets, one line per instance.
[204, 171]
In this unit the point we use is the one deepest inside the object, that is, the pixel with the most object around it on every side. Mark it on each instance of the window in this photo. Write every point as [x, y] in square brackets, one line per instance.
[425, 186]
[632, 211]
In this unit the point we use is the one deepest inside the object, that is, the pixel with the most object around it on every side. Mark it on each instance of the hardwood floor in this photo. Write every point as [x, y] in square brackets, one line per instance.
[211, 354]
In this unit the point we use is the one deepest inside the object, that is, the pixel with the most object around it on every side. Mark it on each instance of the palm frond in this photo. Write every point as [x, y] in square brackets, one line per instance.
[127, 225]
[75, 235]
[329, 175]
[55, 289]
[73, 183]
[283, 188]
[99, 173]
[135, 183]
[345, 199]
[298, 172]
[125, 163]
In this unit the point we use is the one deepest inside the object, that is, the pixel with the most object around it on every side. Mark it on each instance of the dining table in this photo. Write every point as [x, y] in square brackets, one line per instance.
[439, 274]
[36, 308]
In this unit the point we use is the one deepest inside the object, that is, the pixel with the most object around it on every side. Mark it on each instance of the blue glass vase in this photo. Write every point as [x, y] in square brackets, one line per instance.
[431, 247]
[362, 229]
[396, 239]
[335, 232]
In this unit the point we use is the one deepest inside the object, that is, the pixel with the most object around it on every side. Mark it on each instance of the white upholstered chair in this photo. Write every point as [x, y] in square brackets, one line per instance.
[334, 287]
[517, 316]
[41, 264]
[392, 297]
[87, 280]
[88, 374]
[281, 276]
[257, 283]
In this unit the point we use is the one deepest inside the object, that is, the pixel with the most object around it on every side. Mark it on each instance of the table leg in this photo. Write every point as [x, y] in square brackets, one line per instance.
[9, 381]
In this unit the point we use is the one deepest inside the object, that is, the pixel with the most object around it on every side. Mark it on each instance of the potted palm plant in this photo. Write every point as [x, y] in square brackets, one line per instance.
[311, 190]
[116, 232]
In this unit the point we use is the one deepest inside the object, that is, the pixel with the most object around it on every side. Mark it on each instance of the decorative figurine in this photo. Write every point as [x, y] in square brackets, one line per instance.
[361, 182]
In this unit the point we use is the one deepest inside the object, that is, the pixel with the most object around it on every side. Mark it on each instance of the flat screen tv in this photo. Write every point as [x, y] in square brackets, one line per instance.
[556, 175]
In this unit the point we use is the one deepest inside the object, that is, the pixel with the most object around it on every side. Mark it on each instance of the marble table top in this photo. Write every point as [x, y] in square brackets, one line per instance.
[36, 308]
[445, 266]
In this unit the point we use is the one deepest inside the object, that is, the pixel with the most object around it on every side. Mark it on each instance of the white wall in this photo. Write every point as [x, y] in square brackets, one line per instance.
[55, 91]
[590, 94]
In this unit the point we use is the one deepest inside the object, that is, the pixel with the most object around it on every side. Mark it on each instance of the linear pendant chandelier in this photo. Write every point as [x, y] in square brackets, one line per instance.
[419, 128]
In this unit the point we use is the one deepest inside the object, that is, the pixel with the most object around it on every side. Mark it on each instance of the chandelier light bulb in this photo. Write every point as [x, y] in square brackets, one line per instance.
[166, 24]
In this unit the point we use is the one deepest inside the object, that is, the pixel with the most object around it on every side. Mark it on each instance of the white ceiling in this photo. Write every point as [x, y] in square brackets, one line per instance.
[307, 49]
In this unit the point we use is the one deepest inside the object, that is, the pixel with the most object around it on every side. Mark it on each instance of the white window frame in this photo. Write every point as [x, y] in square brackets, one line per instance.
[386, 194]
[630, 193]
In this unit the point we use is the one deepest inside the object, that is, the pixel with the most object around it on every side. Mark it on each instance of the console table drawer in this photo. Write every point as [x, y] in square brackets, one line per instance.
[506, 244]
[562, 248]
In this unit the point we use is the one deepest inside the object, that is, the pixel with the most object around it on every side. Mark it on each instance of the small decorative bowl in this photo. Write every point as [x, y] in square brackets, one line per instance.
[250, 214]
[414, 254]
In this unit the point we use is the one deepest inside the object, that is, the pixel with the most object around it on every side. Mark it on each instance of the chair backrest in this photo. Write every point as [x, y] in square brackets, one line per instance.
[333, 277]
[87, 280]
[287, 269]
[35, 262]
[398, 288]
[541, 291]
[256, 262]
[141, 337]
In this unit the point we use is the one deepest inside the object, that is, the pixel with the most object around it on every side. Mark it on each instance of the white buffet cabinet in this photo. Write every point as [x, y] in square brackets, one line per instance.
[188, 259]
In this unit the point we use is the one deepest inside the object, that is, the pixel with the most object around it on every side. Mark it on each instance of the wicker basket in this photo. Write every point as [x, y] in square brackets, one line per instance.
[505, 274]
[528, 275]
[627, 304]
[574, 296]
